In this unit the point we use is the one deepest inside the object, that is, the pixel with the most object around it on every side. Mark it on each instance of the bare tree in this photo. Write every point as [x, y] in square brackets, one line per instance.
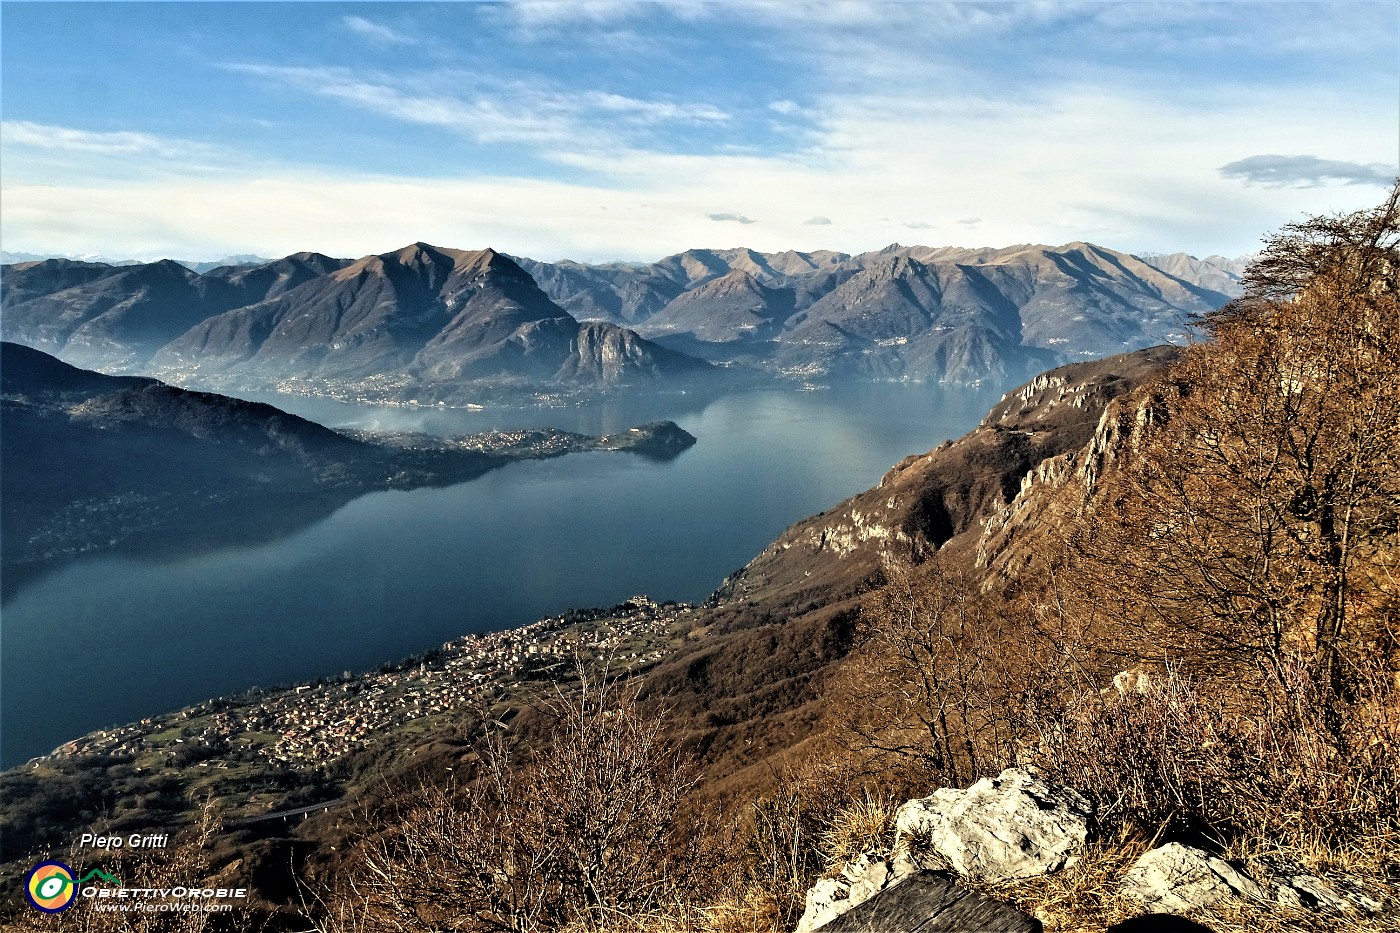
[1258, 519]
[945, 675]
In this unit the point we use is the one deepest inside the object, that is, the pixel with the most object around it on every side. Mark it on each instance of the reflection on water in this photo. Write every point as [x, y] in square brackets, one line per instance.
[109, 640]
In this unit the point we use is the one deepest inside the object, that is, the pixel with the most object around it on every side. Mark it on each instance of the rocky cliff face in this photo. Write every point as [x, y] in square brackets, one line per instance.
[953, 495]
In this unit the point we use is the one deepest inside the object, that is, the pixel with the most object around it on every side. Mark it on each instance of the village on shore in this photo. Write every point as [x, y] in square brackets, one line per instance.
[307, 727]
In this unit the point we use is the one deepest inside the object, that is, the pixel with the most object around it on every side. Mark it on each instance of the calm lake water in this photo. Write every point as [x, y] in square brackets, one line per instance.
[110, 640]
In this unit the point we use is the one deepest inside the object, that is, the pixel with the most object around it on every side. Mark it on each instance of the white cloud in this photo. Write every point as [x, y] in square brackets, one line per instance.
[593, 20]
[376, 32]
[653, 111]
[24, 134]
[549, 14]
[891, 130]
[663, 208]
[481, 118]
[495, 110]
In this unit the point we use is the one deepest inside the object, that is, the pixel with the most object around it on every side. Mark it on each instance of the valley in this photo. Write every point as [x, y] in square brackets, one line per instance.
[266, 750]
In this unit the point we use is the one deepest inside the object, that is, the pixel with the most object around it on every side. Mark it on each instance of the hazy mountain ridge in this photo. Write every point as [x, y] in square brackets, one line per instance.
[904, 312]
[117, 317]
[418, 322]
[195, 265]
[432, 325]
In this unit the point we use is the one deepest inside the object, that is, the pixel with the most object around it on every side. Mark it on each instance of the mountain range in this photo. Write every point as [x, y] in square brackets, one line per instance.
[196, 265]
[914, 312]
[435, 325]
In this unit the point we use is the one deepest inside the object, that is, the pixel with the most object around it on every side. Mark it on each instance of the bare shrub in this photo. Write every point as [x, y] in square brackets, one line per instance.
[581, 832]
[784, 832]
[1178, 755]
[1259, 519]
[1252, 539]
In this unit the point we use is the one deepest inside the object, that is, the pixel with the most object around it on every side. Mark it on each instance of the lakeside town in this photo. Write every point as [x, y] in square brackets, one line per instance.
[307, 727]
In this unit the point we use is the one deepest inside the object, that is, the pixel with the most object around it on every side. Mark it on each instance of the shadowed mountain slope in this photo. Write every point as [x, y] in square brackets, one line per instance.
[93, 463]
[116, 317]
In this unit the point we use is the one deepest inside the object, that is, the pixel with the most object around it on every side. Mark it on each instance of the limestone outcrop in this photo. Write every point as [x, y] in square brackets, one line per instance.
[1180, 879]
[1016, 825]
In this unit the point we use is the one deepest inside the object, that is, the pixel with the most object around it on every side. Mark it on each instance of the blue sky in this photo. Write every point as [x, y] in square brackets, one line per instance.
[626, 130]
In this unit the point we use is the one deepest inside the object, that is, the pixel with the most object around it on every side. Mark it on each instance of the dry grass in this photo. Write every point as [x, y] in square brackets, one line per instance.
[1085, 896]
[866, 823]
[1238, 916]
[749, 910]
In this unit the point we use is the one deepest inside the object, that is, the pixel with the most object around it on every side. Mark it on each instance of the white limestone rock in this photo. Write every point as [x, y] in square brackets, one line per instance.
[859, 880]
[1294, 886]
[1177, 879]
[1016, 825]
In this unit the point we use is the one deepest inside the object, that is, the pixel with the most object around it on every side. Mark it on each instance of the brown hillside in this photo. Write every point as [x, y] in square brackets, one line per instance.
[749, 686]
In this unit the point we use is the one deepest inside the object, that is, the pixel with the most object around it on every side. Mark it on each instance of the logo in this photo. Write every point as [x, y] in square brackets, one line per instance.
[50, 887]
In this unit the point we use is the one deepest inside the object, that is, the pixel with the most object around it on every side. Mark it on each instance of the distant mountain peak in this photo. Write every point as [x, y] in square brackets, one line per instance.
[310, 256]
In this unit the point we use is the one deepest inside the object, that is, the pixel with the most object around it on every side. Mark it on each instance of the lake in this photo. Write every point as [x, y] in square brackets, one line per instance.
[110, 640]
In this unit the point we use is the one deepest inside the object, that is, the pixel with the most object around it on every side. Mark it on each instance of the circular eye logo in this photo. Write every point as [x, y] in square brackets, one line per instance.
[50, 887]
